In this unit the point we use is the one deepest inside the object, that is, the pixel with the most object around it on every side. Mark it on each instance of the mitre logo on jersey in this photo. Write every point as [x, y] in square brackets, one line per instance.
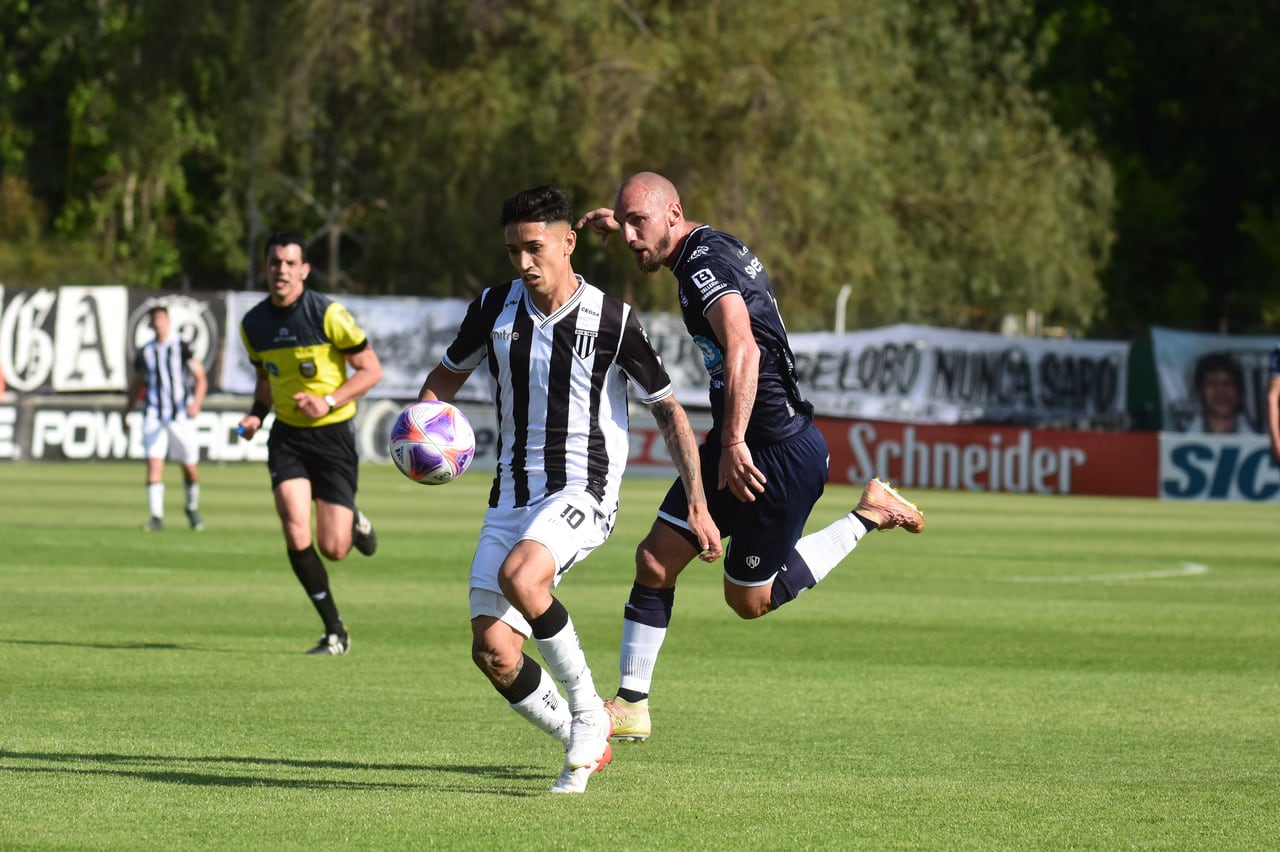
[584, 343]
[504, 334]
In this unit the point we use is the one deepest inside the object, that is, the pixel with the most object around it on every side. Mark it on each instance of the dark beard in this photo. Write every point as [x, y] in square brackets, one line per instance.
[660, 250]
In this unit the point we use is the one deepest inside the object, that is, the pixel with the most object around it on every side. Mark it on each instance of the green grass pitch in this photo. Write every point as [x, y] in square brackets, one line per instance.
[1030, 673]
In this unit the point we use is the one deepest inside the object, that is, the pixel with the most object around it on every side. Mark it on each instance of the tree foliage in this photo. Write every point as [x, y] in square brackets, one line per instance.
[896, 147]
[1178, 94]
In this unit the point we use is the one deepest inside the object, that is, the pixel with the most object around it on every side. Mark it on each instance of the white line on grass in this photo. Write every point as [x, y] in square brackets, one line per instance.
[1188, 569]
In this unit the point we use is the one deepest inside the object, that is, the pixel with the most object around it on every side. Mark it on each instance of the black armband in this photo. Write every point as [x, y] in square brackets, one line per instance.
[260, 410]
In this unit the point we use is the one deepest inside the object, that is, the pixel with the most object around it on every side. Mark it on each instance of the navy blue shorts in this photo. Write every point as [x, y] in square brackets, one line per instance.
[761, 534]
[325, 455]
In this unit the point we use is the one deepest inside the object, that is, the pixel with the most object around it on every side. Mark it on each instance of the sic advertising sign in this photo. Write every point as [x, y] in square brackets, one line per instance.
[1218, 467]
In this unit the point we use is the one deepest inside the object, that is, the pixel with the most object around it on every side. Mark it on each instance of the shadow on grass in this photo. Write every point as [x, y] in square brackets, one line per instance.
[202, 771]
[105, 646]
[149, 646]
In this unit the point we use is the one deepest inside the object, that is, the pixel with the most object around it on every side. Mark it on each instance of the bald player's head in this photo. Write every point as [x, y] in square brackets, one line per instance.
[651, 219]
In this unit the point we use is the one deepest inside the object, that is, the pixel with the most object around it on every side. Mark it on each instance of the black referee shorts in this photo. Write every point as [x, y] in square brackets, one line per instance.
[326, 455]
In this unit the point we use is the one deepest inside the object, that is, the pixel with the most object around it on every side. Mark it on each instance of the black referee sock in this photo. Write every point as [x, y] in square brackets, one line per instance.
[310, 572]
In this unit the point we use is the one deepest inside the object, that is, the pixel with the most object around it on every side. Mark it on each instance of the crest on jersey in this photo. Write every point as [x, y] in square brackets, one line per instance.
[584, 343]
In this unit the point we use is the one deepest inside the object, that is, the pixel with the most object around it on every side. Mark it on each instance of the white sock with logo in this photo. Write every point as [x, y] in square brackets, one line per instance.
[564, 657]
[640, 646]
[546, 709]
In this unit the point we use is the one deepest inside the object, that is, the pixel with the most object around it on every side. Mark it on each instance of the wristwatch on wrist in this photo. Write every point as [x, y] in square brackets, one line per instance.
[330, 401]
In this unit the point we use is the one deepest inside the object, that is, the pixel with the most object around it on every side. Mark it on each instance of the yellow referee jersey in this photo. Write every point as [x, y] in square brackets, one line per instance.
[303, 347]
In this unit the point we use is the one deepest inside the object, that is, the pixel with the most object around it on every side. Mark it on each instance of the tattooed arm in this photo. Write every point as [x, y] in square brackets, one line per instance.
[682, 446]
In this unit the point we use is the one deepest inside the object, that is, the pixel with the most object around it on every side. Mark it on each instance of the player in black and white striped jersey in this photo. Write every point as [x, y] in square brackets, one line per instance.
[170, 384]
[559, 354]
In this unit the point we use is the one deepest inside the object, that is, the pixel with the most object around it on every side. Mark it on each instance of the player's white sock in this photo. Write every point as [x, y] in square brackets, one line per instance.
[193, 496]
[564, 657]
[546, 709]
[824, 549]
[155, 499]
[640, 646]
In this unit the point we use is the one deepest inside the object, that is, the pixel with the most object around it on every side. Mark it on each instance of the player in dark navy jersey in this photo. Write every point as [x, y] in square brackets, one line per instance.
[765, 453]
[558, 354]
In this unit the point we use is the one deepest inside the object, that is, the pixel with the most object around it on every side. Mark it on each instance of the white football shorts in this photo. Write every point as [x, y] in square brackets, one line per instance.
[175, 440]
[569, 526]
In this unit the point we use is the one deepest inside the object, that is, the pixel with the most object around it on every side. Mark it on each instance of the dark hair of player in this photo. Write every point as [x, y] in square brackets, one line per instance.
[286, 238]
[541, 204]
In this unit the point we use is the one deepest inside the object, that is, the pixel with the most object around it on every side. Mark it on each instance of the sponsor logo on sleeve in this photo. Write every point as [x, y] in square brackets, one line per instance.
[706, 282]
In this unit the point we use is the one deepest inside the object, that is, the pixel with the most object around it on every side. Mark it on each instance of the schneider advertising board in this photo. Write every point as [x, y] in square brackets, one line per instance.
[966, 458]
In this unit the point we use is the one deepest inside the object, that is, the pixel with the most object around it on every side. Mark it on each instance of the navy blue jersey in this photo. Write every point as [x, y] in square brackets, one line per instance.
[713, 264]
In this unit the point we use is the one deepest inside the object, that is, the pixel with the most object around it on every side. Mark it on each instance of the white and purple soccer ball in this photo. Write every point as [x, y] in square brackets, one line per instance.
[432, 442]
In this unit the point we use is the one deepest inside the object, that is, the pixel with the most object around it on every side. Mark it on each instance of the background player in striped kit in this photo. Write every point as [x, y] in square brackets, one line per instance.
[558, 353]
[766, 455]
[170, 383]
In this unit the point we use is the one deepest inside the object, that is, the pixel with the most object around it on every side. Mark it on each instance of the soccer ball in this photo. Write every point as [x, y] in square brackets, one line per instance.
[432, 442]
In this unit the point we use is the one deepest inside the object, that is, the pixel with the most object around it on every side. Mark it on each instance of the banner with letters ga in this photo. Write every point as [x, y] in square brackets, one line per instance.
[1176, 354]
[75, 339]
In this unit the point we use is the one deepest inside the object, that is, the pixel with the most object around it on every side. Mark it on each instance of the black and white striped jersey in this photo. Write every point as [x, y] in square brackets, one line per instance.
[166, 378]
[559, 385]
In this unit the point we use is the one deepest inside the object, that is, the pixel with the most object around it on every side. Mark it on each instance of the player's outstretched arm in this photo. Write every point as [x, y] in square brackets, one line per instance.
[682, 446]
[1273, 415]
[599, 221]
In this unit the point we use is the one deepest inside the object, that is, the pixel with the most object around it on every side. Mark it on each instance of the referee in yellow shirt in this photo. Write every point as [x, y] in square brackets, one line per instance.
[301, 344]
